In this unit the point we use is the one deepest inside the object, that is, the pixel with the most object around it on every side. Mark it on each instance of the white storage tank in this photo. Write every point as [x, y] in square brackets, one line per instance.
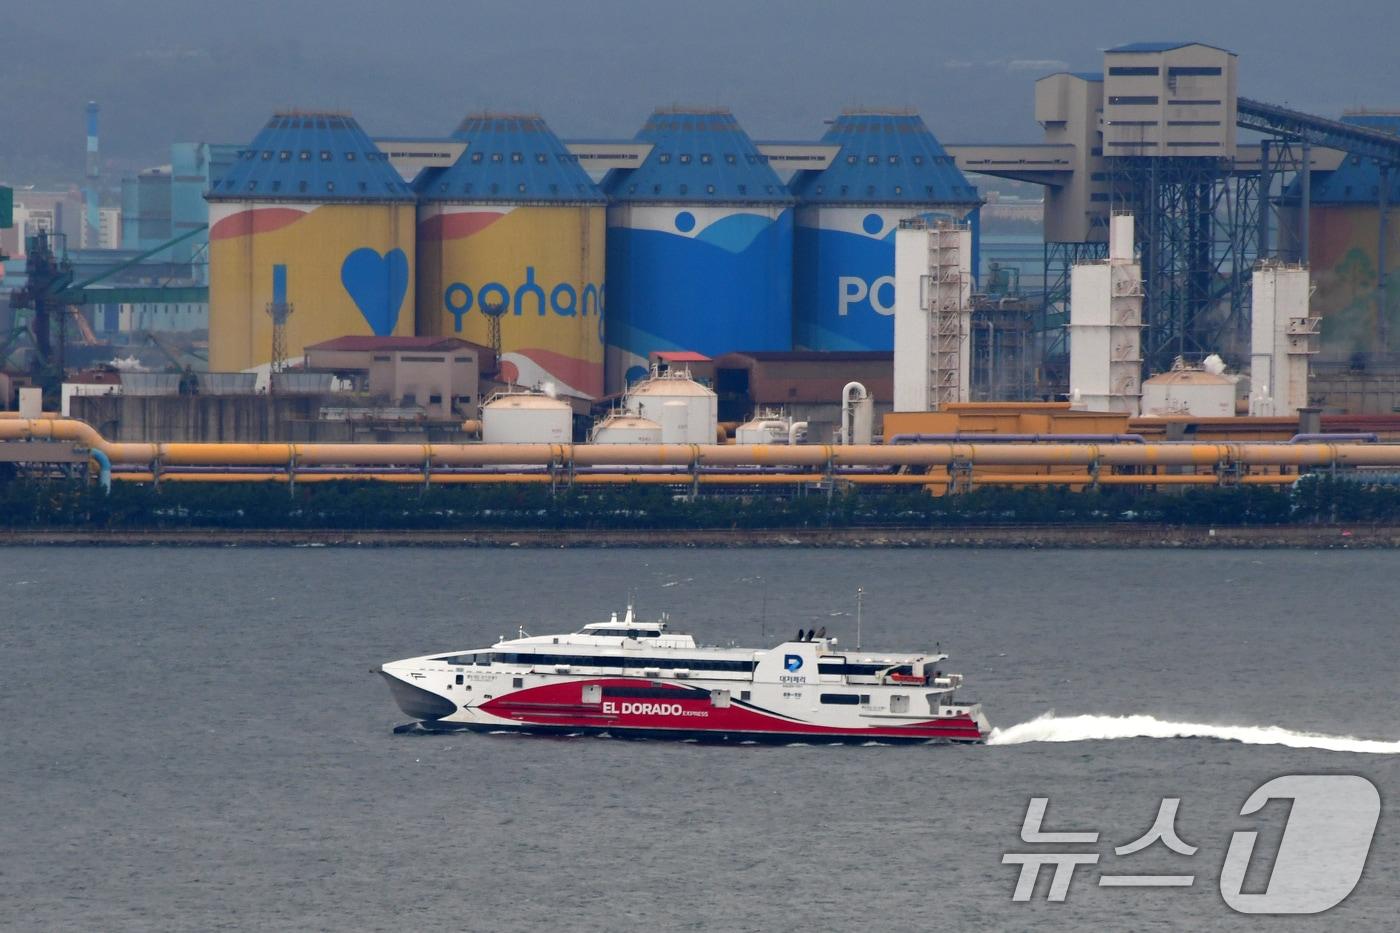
[1189, 391]
[526, 418]
[764, 429]
[622, 427]
[694, 420]
[675, 422]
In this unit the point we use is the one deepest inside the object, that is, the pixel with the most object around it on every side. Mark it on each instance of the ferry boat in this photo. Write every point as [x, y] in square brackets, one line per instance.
[639, 679]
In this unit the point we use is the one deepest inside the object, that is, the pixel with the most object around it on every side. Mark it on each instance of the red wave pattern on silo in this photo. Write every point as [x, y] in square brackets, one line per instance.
[257, 220]
[576, 373]
[458, 224]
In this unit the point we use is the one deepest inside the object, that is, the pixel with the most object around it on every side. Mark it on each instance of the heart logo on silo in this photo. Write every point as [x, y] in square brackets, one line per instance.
[377, 284]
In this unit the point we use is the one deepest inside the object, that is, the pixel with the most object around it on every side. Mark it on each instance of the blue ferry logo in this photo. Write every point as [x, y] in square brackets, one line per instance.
[792, 661]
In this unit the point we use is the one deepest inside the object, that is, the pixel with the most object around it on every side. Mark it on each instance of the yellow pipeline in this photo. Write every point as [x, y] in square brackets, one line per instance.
[725, 479]
[816, 457]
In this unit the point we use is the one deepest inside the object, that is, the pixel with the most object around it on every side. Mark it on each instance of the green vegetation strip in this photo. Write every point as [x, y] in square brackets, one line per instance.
[31, 504]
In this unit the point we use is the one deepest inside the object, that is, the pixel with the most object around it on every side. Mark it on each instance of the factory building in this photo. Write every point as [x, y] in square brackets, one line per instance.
[311, 214]
[889, 168]
[699, 245]
[516, 226]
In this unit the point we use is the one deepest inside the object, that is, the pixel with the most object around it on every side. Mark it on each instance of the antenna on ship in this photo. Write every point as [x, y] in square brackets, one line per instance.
[763, 613]
[860, 596]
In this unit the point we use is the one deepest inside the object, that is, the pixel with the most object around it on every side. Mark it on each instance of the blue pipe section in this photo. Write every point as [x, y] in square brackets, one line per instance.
[1328, 438]
[104, 469]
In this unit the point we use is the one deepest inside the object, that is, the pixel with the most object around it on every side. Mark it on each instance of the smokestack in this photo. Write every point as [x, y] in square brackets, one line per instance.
[92, 111]
[90, 205]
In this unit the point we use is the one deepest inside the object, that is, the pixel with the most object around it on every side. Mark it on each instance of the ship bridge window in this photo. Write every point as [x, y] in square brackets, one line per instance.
[617, 661]
[840, 699]
[857, 670]
[463, 660]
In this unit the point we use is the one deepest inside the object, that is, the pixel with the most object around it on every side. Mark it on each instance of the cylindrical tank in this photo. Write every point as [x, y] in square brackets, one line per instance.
[889, 168]
[516, 223]
[621, 427]
[311, 215]
[526, 418]
[650, 398]
[1189, 392]
[675, 427]
[699, 246]
[764, 429]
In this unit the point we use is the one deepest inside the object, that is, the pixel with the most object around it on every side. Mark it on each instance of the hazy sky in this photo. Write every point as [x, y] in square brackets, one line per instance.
[167, 70]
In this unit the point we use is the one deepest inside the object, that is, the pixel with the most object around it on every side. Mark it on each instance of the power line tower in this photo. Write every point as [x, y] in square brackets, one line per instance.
[279, 309]
[494, 311]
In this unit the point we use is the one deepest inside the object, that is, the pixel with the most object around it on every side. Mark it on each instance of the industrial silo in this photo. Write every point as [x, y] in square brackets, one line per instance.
[515, 223]
[311, 215]
[699, 245]
[889, 168]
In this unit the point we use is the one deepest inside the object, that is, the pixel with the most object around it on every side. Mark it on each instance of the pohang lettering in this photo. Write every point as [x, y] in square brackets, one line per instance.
[562, 299]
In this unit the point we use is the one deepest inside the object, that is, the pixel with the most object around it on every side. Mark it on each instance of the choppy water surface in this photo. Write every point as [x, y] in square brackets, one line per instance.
[192, 740]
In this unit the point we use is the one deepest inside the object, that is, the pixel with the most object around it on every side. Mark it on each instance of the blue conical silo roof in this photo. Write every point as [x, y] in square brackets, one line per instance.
[510, 157]
[698, 156]
[885, 158]
[1357, 179]
[311, 157]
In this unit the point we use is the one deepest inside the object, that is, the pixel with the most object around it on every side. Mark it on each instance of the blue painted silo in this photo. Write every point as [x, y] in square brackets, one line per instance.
[699, 249]
[889, 168]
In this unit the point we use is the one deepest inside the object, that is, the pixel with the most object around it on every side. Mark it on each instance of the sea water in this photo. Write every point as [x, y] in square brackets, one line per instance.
[193, 739]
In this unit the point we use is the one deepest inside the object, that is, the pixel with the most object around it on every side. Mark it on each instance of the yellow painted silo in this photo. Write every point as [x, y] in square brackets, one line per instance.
[311, 214]
[516, 223]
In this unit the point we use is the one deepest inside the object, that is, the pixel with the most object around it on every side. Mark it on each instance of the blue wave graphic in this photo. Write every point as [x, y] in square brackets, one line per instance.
[736, 232]
[668, 292]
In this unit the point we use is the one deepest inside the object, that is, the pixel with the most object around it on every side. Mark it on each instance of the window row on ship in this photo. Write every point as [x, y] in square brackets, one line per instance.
[828, 668]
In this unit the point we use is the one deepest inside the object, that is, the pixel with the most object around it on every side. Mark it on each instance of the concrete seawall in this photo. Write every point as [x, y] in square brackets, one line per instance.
[1020, 536]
